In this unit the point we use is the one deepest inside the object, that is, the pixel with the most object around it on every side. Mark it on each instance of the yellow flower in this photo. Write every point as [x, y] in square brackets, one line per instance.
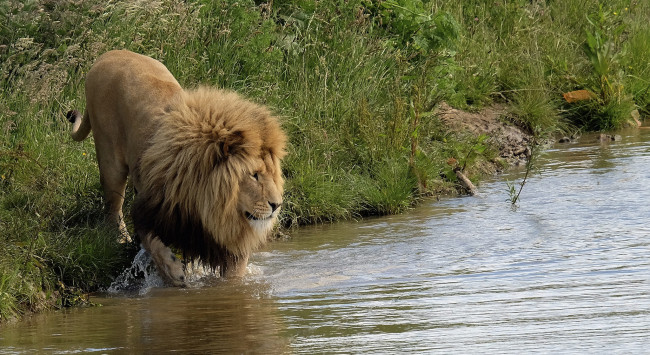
[84, 154]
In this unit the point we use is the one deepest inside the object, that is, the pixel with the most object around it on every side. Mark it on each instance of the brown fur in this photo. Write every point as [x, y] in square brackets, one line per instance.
[205, 162]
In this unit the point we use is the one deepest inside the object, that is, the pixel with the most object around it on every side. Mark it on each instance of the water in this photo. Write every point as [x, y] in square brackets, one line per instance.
[567, 271]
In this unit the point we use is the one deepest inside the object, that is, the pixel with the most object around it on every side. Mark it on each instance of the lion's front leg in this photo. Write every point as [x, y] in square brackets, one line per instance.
[234, 266]
[168, 265]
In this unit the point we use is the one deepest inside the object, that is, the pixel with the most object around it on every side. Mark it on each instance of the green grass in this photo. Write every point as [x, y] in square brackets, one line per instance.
[355, 83]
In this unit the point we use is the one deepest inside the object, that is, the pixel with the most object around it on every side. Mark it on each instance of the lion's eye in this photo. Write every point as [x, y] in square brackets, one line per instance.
[255, 176]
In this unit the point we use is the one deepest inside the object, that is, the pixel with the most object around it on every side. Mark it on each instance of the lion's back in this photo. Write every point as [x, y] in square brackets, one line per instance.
[128, 80]
[125, 93]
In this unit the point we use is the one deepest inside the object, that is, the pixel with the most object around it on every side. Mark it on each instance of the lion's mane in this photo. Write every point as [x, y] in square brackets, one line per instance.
[190, 174]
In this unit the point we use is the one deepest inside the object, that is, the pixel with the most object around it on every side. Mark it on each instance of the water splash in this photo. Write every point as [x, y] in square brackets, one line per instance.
[140, 277]
[198, 275]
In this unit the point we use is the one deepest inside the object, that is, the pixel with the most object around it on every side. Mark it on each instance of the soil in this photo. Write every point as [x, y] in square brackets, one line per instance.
[513, 142]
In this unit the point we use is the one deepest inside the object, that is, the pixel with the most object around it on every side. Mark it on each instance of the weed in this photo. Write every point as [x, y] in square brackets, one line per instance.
[602, 50]
[515, 192]
[636, 65]
[536, 111]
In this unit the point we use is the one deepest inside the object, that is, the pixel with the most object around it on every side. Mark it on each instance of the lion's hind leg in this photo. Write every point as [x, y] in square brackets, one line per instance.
[168, 265]
[114, 194]
[113, 174]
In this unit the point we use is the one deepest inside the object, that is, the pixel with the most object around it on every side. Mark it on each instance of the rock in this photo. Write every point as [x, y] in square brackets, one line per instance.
[603, 137]
[578, 95]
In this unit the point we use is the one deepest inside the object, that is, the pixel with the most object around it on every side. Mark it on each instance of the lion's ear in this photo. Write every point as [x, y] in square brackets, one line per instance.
[232, 143]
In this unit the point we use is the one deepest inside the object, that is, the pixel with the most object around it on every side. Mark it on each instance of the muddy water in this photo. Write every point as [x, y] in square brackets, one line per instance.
[567, 271]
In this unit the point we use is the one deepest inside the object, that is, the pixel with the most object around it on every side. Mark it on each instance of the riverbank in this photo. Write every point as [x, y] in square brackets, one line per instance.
[457, 275]
[370, 94]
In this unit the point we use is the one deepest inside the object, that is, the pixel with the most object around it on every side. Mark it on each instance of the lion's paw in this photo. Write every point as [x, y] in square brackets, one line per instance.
[168, 265]
[171, 269]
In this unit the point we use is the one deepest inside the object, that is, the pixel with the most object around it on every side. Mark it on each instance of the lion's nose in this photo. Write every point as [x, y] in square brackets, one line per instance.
[274, 206]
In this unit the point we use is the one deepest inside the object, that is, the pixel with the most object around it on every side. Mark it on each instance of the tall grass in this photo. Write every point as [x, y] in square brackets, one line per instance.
[355, 83]
[529, 53]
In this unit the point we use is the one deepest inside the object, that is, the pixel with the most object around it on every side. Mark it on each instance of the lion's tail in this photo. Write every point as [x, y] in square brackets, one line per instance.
[80, 126]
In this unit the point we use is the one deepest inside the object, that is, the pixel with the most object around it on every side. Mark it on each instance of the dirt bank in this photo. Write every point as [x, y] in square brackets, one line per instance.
[513, 142]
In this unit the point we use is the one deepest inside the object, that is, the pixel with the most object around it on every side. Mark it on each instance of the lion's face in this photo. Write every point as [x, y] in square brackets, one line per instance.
[260, 194]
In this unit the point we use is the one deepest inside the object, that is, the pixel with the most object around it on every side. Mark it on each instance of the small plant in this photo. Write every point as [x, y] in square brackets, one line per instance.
[604, 37]
[515, 192]
[416, 28]
[534, 110]
[636, 63]
[463, 156]
[602, 49]
[474, 151]
[426, 44]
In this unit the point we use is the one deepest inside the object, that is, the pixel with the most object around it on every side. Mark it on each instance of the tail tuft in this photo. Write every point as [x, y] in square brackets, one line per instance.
[80, 125]
[72, 115]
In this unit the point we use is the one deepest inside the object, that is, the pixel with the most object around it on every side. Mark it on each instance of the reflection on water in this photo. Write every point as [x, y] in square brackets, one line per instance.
[233, 317]
[567, 271]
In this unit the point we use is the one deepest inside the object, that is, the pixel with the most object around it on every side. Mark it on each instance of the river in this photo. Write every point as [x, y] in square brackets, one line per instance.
[566, 271]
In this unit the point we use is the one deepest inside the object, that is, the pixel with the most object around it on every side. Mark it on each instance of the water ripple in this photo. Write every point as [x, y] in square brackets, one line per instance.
[568, 271]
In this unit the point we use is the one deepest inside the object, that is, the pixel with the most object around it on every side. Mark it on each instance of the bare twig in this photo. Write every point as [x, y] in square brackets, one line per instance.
[467, 183]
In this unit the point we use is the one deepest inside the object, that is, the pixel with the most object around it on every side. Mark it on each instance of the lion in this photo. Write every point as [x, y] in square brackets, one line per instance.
[205, 163]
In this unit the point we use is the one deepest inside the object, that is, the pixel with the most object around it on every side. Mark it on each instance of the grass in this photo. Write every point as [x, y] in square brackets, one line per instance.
[355, 83]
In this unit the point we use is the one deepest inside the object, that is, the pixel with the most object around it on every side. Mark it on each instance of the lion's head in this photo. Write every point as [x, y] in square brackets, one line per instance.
[210, 181]
[260, 195]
